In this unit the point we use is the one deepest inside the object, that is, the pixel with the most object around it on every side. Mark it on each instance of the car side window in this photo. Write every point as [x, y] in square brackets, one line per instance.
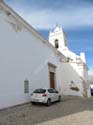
[55, 91]
[50, 90]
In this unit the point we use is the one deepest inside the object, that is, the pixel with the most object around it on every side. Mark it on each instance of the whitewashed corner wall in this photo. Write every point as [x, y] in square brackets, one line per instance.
[22, 56]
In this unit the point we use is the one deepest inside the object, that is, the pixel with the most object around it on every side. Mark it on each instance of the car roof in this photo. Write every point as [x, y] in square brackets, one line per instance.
[45, 88]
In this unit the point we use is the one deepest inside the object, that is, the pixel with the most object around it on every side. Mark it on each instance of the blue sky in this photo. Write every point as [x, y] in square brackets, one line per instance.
[75, 17]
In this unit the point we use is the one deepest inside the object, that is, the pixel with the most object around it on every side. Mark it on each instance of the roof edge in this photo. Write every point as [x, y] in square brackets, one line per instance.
[29, 27]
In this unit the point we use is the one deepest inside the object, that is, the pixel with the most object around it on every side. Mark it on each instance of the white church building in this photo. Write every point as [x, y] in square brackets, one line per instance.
[28, 61]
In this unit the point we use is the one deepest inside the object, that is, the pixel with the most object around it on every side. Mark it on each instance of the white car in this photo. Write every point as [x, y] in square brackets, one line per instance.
[45, 96]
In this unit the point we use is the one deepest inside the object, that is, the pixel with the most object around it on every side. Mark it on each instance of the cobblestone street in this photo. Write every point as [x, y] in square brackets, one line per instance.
[71, 111]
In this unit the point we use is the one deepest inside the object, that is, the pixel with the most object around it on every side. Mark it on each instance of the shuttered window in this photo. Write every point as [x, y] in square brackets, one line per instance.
[26, 86]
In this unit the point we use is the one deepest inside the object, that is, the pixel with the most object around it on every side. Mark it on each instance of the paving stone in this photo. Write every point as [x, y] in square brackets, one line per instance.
[72, 111]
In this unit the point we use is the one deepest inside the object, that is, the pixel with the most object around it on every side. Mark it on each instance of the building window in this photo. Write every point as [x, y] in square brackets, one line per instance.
[56, 44]
[26, 86]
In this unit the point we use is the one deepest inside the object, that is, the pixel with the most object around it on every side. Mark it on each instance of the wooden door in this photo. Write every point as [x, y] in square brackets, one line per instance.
[52, 80]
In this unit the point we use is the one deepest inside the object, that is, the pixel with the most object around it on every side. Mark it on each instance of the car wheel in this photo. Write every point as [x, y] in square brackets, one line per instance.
[59, 98]
[48, 102]
[33, 103]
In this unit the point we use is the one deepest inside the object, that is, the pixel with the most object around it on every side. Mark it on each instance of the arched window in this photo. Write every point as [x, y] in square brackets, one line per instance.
[56, 44]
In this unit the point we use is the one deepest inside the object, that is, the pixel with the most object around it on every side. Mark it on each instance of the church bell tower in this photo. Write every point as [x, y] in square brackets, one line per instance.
[58, 39]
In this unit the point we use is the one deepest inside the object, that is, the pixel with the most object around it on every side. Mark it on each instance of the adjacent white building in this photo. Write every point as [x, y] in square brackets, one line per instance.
[28, 61]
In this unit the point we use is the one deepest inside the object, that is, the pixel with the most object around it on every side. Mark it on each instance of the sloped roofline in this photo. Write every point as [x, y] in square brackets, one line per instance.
[29, 27]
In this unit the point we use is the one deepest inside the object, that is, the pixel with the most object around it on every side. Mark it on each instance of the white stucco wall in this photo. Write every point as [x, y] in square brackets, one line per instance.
[69, 74]
[22, 56]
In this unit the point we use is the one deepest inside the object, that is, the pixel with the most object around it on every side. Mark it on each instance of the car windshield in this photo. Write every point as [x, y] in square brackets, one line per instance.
[40, 91]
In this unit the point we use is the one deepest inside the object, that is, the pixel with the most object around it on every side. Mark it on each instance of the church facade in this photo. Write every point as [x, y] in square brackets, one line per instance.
[28, 61]
[74, 69]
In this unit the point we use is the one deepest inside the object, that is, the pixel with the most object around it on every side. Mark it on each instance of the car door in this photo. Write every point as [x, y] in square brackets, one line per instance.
[56, 95]
[51, 95]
